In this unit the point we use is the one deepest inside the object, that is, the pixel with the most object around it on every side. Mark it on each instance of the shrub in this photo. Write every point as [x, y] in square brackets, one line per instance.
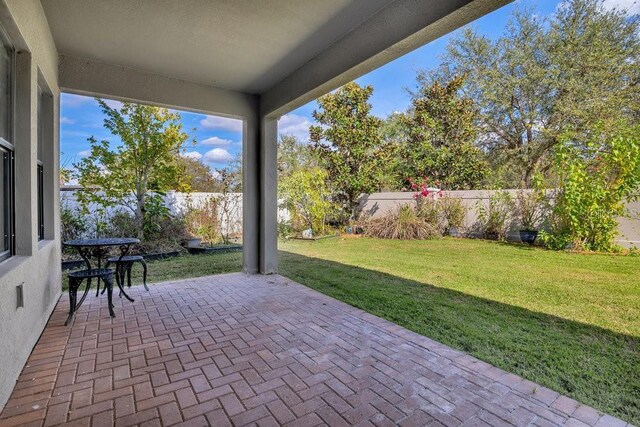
[429, 209]
[495, 219]
[306, 195]
[73, 225]
[596, 177]
[203, 222]
[122, 224]
[403, 224]
[171, 231]
[530, 209]
[453, 212]
[155, 214]
[164, 236]
[427, 206]
[285, 229]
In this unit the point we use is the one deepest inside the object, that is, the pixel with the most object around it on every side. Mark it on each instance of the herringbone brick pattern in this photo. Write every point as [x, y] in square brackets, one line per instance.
[255, 350]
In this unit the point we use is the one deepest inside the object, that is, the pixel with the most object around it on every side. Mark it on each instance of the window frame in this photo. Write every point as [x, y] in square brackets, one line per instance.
[40, 165]
[9, 148]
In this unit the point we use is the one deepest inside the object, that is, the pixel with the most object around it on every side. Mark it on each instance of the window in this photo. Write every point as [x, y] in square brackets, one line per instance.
[40, 166]
[7, 61]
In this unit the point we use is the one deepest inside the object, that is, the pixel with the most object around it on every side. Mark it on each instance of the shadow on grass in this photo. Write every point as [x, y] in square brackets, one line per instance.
[595, 366]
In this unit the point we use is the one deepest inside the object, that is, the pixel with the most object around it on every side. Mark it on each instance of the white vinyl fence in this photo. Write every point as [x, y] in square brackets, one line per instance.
[229, 206]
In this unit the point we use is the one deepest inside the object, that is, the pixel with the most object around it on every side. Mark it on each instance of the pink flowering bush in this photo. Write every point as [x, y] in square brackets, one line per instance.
[427, 206]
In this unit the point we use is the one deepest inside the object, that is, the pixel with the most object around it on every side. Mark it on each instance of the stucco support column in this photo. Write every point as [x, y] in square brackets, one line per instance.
[260, 204]
[251, 195]
[268, 195]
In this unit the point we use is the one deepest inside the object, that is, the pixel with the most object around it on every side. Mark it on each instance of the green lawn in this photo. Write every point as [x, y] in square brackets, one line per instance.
[184, 267]
[568, 321]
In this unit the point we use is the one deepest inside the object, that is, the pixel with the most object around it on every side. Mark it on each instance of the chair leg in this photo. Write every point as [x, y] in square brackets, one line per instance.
[73, 295]
[144, 274]
[109, 282]
[98, 290]
[121, 272]
[105, 287]
[129, 268]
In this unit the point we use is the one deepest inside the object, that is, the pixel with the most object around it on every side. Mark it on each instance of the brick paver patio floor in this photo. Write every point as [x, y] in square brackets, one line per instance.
[237, 350]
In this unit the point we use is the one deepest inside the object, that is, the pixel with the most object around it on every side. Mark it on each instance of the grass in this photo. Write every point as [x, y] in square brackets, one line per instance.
[568, 321]
[184, 267]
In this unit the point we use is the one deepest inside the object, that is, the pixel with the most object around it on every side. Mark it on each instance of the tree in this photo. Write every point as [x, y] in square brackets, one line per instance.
[293, 155]
[65, 173]
[597, 178]
[441, 132]
[393, 134]
[348, 144]
[198, 176]
[136, 173]
[545, 77]
[303, 186]
[307, 198]
[228, 202]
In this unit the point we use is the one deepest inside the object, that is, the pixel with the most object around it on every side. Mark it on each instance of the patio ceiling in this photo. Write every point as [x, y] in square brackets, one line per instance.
[245, 45]
[287, 51]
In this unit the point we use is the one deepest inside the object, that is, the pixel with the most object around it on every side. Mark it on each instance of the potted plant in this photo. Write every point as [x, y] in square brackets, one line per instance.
[495, 217]
[530, 211]
[454, 212]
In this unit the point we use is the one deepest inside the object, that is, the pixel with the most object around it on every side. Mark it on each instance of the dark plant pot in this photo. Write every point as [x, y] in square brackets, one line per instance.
[528, 236]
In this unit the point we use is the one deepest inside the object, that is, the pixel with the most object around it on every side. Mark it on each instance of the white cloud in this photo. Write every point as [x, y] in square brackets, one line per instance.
[631, 6]
[218, 155]
[215, 141]
[84, 153]
[66, 120]
[192, 155]
[222, 123]
[69, 100]
[293, 124]
[113, 103]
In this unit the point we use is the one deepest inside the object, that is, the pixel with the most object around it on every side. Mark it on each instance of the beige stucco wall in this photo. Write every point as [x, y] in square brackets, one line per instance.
[377, 204]
[36, 264]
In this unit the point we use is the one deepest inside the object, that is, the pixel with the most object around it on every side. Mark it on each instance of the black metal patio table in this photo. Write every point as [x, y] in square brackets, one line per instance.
[96, 247]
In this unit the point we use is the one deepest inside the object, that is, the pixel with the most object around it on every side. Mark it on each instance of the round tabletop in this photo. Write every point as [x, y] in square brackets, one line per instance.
[107, 241]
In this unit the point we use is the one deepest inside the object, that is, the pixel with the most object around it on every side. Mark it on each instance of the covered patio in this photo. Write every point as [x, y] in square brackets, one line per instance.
[251, 61]
[241, 349]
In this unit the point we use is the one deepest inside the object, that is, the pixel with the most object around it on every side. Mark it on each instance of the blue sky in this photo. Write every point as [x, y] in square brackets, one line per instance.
[219, 139]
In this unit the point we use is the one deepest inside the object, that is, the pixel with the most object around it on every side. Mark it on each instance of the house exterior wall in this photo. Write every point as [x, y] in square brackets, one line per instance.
[36, 264]
[378, 204]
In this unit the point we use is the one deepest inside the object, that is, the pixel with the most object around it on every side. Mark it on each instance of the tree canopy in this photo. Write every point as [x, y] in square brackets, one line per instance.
[441, 133]
[348, 143]
[546, 76]
[144, 166]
